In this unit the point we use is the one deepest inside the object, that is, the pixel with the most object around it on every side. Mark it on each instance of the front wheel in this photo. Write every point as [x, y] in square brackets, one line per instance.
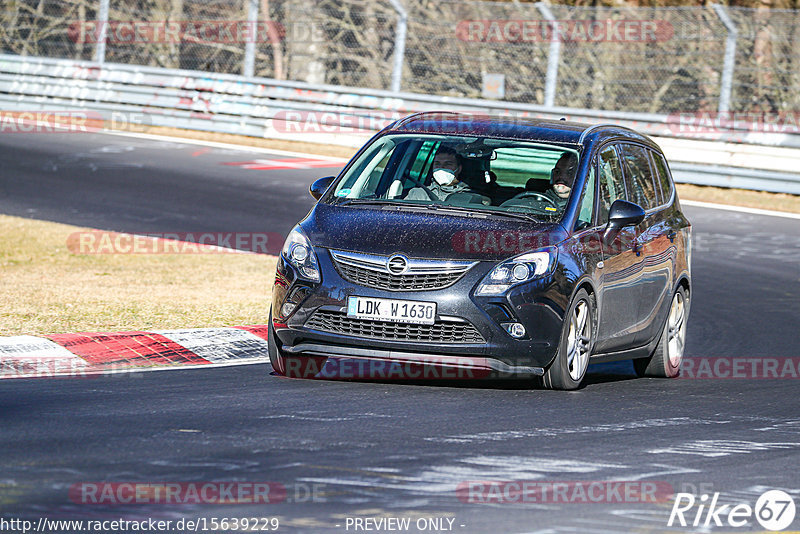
[665, 362]
[276, 358]
[577, 340]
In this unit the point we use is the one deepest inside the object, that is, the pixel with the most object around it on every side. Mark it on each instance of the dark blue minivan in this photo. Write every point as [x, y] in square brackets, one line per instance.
[487, 246]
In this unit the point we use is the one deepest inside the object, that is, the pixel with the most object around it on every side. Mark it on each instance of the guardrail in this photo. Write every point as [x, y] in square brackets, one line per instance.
[264, 107]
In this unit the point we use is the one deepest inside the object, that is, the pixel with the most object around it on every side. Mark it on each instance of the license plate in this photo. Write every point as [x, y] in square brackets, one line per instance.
[390, 310]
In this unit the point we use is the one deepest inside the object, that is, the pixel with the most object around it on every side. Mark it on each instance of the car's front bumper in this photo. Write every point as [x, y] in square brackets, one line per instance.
[348, 362]
[538, 305]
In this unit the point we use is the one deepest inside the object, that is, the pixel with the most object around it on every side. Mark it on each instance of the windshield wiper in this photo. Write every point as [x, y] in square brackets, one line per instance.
[463, 211]
[447, 208]
[376, 201]
[512, 214]
[395, 204]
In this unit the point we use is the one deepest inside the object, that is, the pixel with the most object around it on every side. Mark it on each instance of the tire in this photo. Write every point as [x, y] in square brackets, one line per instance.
[575, 348]
[665, 362]
[291, 366]
[276, 357]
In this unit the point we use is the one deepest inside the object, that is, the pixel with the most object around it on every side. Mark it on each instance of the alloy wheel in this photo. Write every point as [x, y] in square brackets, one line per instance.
[579, 341]
[677, 329]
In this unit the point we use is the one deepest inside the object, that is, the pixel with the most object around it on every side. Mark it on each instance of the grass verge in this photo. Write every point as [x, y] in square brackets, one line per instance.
[47, 289]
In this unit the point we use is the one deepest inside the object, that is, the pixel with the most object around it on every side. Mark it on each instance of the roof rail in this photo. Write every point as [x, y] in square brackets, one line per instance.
[588, 130]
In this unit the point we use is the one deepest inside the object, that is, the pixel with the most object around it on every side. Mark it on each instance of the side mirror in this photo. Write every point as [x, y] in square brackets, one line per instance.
[319, 186]
[624, 213]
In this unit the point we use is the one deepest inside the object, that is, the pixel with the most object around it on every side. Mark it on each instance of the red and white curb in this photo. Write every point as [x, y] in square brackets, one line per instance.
[280, 164]
[94, 354]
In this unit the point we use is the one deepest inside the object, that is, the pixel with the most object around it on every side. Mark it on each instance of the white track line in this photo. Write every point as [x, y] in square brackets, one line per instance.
[235, 146]
[740, 209]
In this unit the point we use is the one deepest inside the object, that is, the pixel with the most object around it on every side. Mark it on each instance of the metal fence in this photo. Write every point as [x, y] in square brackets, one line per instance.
[34, 91]
[674, 59]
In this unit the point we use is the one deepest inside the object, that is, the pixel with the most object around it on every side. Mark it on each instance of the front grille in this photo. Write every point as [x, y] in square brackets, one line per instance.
[372, 271]
[392, 282]
[442, 331]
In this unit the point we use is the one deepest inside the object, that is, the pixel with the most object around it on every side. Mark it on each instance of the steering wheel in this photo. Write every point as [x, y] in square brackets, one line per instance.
[431, 196]
[540, 196]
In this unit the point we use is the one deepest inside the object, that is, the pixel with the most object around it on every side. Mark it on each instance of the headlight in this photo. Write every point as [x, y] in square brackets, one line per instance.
[297, 251]
[516, 271]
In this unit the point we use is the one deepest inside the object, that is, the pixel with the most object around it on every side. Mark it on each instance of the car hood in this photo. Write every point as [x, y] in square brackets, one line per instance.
[426, 234]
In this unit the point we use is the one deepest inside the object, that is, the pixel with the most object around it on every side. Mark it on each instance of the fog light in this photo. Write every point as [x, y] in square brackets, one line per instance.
[288, 308]
[515, 330]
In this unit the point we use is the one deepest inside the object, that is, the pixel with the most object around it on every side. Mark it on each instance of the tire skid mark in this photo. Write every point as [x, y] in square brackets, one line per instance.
[714, 448]
[504, 435]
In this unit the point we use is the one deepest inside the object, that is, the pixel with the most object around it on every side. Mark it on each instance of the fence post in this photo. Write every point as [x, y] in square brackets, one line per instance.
[553, 55]
[102, 20]
[248, 68]
[730, 58]
[399, 45]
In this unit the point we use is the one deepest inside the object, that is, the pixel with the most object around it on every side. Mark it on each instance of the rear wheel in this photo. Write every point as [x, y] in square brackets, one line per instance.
[276, 357]
[665, 362]
[577, 339]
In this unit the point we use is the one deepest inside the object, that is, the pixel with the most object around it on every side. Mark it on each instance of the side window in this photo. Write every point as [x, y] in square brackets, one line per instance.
[640, 183]
[585, 215]
[611, 185]
[663, 176]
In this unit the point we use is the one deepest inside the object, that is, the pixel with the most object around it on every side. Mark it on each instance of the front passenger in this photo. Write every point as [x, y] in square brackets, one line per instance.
[562, 177]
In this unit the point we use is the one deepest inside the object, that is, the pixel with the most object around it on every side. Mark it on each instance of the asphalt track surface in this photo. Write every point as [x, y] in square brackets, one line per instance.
[379, 448]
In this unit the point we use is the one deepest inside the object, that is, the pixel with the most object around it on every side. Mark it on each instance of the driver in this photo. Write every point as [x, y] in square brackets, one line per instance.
[446, 173]
[562, 177]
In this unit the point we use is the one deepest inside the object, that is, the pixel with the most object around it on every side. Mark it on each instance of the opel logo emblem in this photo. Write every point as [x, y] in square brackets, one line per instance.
[397, 264]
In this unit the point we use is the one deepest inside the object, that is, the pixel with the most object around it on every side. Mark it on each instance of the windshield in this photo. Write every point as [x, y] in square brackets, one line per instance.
[484, 174]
